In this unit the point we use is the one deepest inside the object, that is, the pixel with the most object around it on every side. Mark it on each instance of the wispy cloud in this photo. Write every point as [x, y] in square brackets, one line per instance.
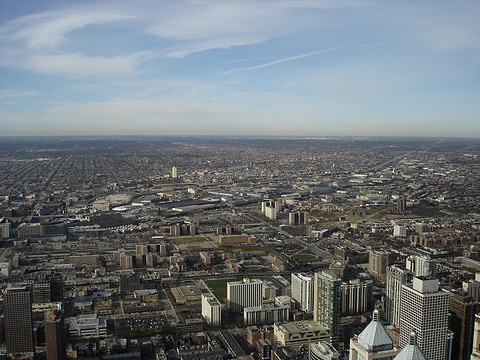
[256, 67]
[49, 30]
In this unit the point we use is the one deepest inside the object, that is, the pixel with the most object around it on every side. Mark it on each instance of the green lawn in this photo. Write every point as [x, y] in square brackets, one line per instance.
[198, 239]
[219, 287]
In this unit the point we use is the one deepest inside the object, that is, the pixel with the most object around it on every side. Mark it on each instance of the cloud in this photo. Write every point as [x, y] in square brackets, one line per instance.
[48, 30]
[9, 93]
[278, 61]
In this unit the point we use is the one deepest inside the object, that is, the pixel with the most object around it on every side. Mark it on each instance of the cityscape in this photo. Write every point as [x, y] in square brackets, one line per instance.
[240, 248]
[241, 179]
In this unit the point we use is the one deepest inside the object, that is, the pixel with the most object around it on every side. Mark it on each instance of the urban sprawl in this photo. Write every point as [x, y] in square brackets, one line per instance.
[239, 248]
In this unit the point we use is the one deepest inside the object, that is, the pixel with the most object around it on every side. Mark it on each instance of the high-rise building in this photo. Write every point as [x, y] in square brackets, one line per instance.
[397, 275]
[424, 310]
[17, 301]
[174, 172]
[302, 291]
[399, 230]
[296, 218]
[377, 263]
[211, 309]
[356, 296]
[270, 209]
[476, 339]
[422, 266]
[373, 342]
[473, 287]
[55, 336]
[411, 351]
[328, 304]
[242, 294]
[462, 319]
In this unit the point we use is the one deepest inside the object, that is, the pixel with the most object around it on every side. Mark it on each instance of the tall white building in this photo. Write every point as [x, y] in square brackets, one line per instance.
[270, 209]
[397, 275]
[399, 230]
[211, 309]
[422, 266]
[472, 287]
[174, 172]
[242, 294]
[302, 291]
[356, 296]
[424, 310]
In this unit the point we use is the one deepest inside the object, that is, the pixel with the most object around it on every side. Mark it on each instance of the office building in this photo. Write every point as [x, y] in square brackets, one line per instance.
[356, 296]
[17, 302]
[399, 230]
[462, 320]
[299, 335]
[265, 314]
[411, 351]
[472, 287]
[174, 172]
[297, 218]
[424, 310]
[55, 338]
[270, 209]
[422, 266]
[322, 351]
[211, 309]
[302, 291]
[378, 263]
[242, 294]
[88, 325]
[328, 304]
[373, 342]
[397, 275]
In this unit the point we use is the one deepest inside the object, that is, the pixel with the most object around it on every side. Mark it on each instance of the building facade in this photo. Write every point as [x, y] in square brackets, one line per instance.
[302, 291]
[397, 275]
[462, 320]
[17, 302]
[424, 310]
[328, 304]
[211, 309]
[356, 296]
[242, 294]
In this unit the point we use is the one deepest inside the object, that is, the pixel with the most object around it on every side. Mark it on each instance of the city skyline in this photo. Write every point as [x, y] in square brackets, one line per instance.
[315, 68]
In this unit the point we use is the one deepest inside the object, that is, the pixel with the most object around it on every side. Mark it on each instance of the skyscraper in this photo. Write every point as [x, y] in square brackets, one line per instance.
[462, 311]
[356, 296]
[424, 310]
[242, 294]
[211, 309]
[302, 291]
[55, 336]
[373, 342]
[174, 172]
[377, 263]
[328, 304]
[397, 275]
[18, 319]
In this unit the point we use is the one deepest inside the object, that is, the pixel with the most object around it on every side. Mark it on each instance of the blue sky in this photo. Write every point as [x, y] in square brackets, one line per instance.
[206, 67]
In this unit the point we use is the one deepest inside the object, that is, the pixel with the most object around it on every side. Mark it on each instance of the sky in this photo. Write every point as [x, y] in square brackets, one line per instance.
[247, 67]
